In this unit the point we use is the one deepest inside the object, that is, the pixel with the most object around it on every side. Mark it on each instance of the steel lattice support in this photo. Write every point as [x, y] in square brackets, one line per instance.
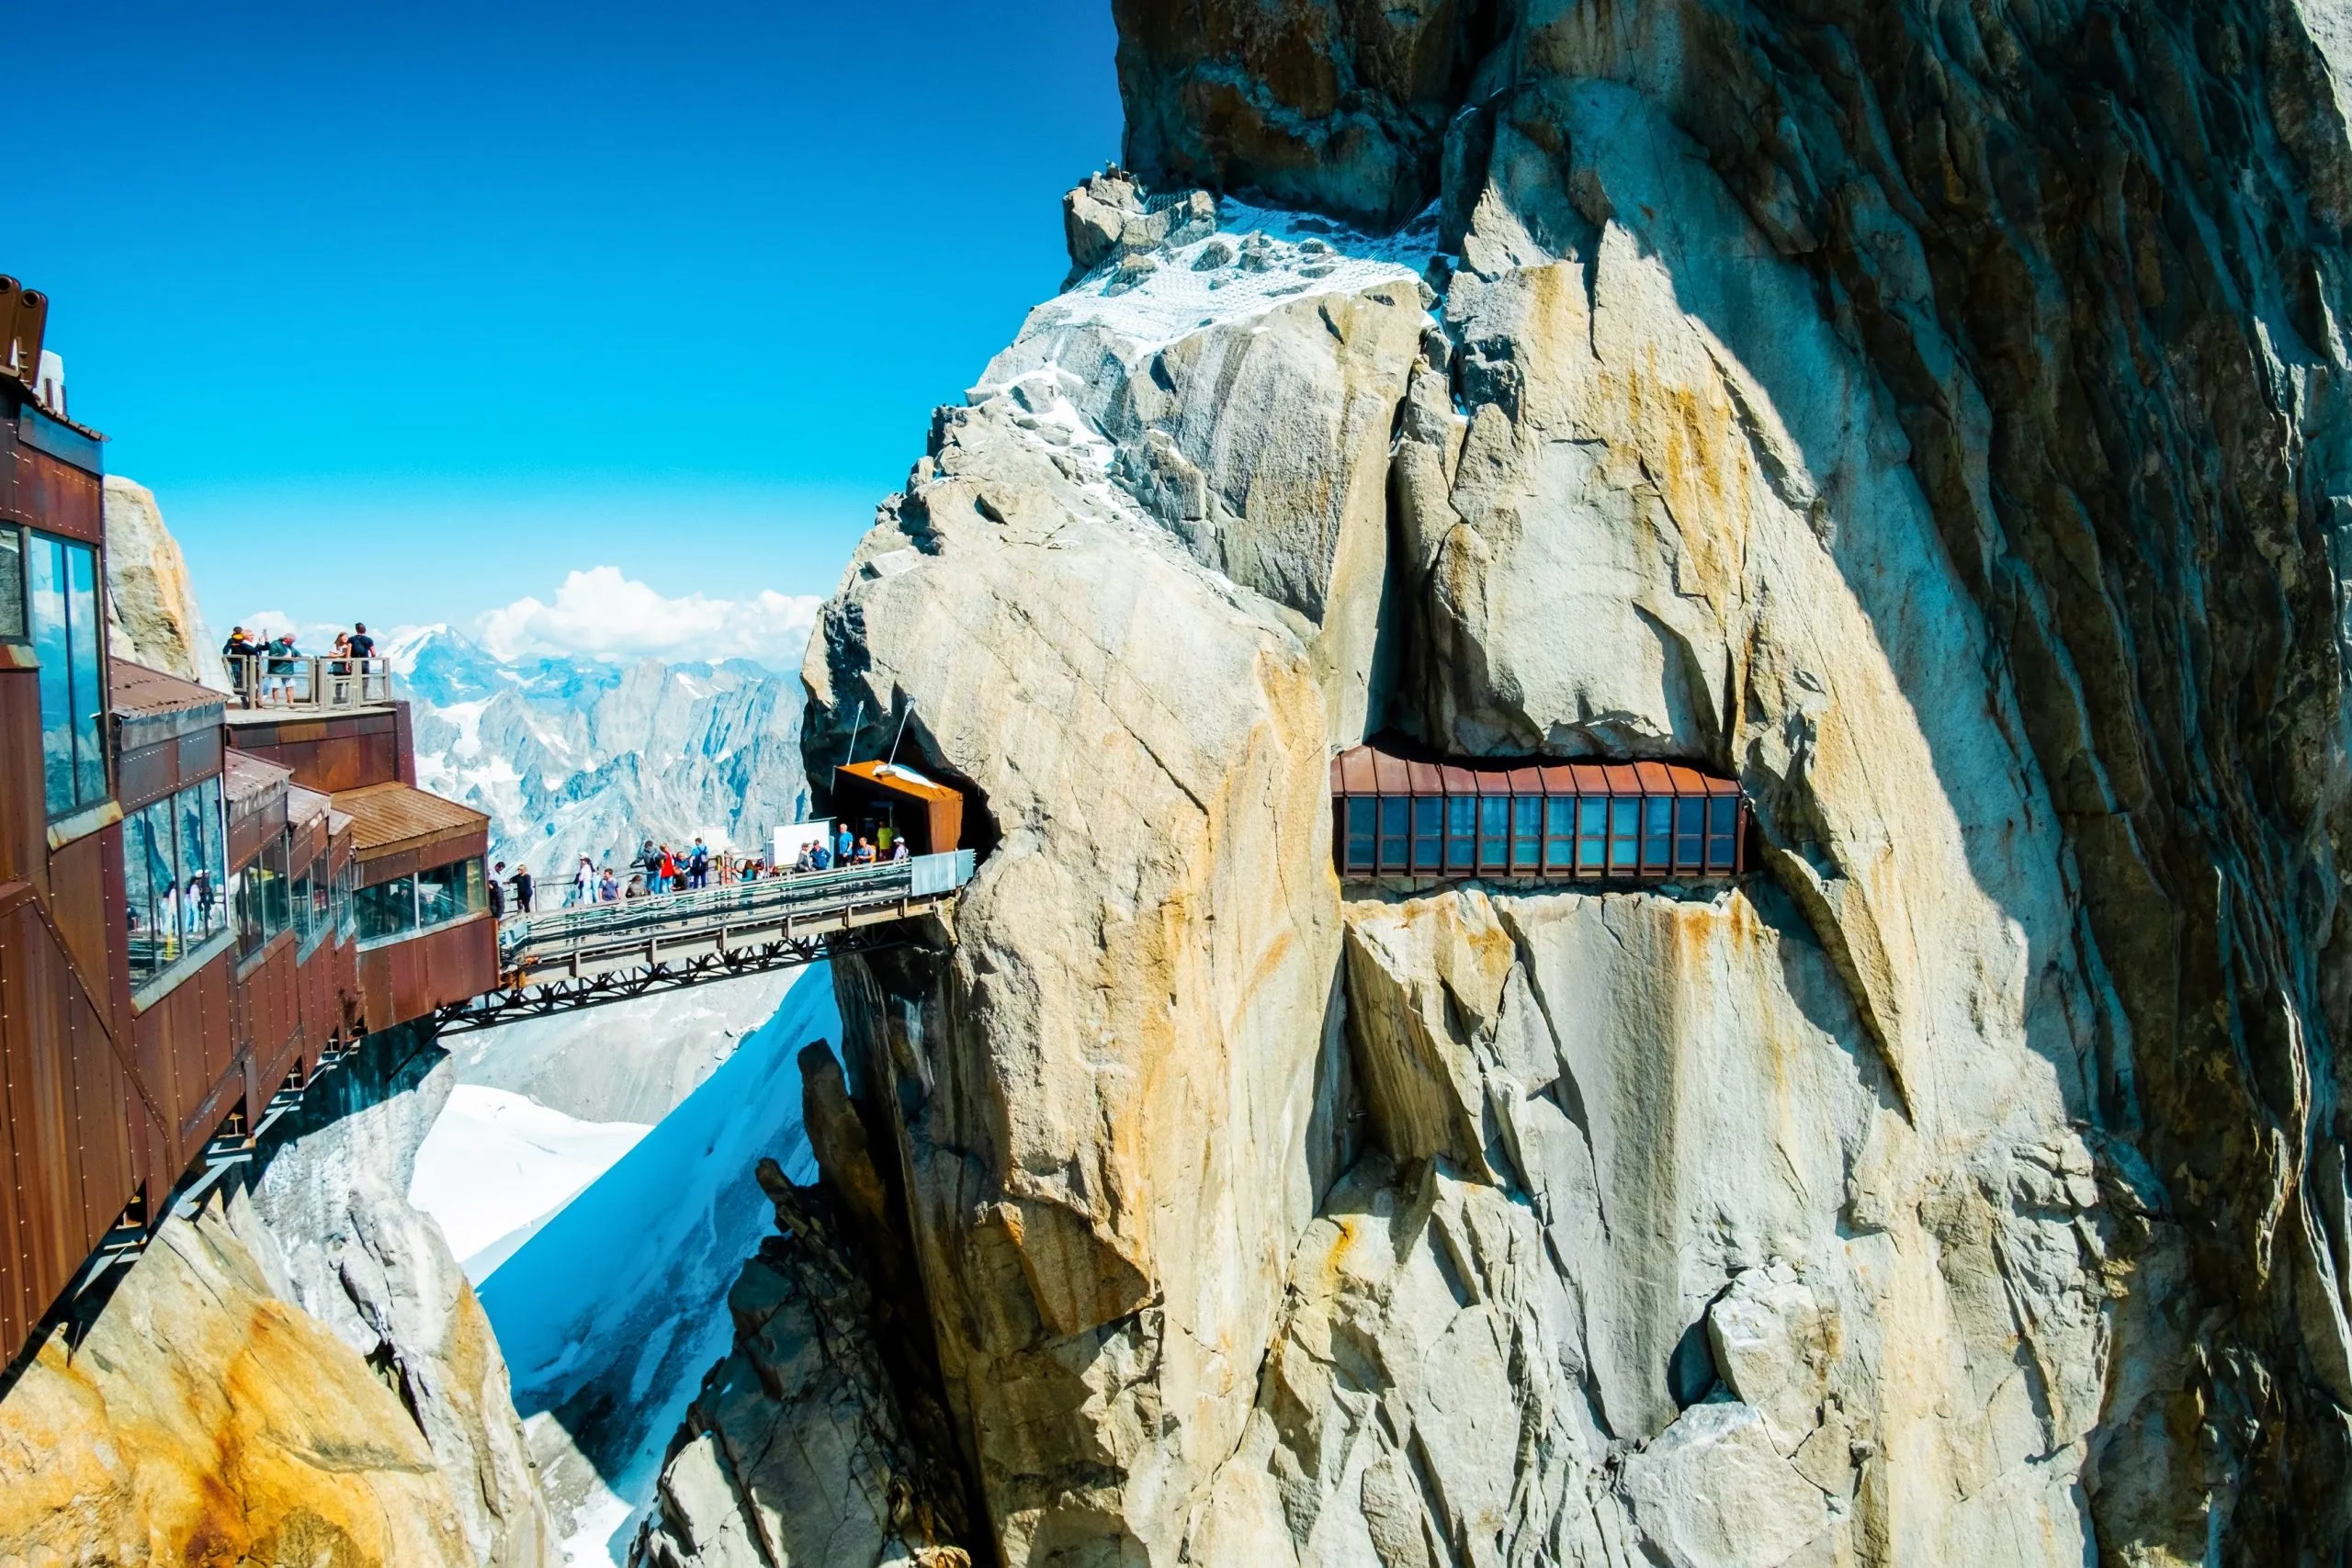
[511, 1004]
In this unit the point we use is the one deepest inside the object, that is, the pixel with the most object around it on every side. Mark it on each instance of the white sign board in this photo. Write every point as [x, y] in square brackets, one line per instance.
[791, 840]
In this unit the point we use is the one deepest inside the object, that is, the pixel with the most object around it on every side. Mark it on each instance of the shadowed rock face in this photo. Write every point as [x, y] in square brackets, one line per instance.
[2088, 265]
[1933, 419]
[1338, 105]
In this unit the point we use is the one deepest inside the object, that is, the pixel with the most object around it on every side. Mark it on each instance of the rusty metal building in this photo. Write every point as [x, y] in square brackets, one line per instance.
[181, 884]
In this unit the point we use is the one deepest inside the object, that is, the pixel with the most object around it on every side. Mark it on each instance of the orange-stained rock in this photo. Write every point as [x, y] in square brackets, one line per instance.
[206, 1422]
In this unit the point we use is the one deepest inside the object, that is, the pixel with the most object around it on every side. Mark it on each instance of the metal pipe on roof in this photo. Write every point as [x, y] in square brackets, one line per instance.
[29, 321]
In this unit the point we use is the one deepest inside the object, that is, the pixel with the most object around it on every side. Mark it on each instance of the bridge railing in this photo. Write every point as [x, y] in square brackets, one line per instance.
[556, 931]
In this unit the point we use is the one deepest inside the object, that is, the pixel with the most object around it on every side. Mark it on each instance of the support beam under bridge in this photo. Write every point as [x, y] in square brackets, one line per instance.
[567, 959]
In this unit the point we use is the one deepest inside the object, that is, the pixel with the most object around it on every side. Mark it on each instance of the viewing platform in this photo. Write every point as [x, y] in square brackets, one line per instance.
[270, 685]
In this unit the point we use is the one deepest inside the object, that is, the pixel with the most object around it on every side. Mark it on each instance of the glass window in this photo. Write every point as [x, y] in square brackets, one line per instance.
[1723, 828]
[1560, 834]
[203, 859]
[276, 907]
[62, 602]
[1592, 835]
[387, 909]
[313, 904]
[1494, 832]
[1624, 835]
[1690, 834]
[1394, 819]
[1460, 833]
[261, 894]
[476, 888]
[172, 855]
[440, 895]
[148, 880]
[1429, 833]
[1526, 833]
[1361, 809]
[346, 903]
[11, 583]
[89, 675]
[1658, 832]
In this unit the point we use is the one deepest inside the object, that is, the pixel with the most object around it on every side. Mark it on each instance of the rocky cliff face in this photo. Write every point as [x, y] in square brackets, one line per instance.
[152, 617]
[295, 1372]
[1933, 417]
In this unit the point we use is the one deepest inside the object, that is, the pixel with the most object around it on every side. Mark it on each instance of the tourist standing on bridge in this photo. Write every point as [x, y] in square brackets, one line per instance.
[608, 888]
[898, 848]
[635, 889]
[698, 865]
[523, 886]
[498, 891]
[583, 882]
[845, 845]
[362, 645]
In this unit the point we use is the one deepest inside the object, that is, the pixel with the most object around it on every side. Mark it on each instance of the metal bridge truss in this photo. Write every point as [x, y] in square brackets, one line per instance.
[543, 997]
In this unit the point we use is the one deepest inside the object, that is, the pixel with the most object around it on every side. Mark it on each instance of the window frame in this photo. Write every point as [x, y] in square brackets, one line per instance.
[62, 684]
[15, 610]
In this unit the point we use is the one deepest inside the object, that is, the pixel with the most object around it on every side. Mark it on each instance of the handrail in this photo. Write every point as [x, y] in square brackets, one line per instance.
[795, 892]
[304, 681]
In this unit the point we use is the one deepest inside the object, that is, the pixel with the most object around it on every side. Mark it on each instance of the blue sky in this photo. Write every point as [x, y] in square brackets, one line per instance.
[408, 311]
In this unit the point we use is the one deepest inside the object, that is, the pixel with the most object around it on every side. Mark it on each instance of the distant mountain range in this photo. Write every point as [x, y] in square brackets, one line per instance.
[575, 756]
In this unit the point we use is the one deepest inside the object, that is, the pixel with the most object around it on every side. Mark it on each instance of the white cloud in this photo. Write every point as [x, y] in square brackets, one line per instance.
[309, 637]
[602, 615]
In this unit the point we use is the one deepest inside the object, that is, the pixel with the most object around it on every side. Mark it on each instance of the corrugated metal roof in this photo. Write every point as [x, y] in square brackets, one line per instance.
[245, 777]
[899, 780]
[139, 690]
[388, 818]
[1371, 769]
[302, 805]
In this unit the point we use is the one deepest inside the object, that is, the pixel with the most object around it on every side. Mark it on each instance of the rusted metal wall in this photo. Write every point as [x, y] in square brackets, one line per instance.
[184, 1049]
[409, 979]
[50, 495]
[468, 844]
[65, 1134]
[267, 1003]
[346, 751]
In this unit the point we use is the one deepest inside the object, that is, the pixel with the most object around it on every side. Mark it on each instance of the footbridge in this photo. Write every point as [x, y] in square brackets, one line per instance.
[565, 959]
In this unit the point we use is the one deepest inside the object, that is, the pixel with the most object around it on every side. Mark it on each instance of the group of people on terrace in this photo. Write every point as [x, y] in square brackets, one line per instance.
[658, 869]
[266, 671]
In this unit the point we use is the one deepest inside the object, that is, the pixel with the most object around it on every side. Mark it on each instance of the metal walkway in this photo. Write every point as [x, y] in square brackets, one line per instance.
[564, 959]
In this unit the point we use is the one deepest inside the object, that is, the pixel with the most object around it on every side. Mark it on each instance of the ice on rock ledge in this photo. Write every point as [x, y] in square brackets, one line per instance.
[1259, 260]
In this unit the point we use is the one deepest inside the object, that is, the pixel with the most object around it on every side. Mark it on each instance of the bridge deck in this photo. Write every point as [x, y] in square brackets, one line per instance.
[564, 959]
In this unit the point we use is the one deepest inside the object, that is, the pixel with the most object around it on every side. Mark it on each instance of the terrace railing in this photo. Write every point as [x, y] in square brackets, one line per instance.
[303, 682]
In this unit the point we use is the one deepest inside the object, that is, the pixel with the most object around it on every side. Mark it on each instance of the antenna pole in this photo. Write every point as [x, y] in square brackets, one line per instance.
[902, 730]
[855, 725]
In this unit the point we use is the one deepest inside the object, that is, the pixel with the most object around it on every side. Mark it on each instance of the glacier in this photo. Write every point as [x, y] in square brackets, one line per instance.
[613, 1310]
